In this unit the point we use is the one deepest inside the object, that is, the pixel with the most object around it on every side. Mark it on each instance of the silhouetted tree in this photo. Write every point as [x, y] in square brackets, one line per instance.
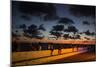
[66, 36]
[23, 26]
[32, 31]
[57, 30]
[89, 33]
[71, 29]
[87, 38]
[14, 34]
[77, 36]
[74, 30]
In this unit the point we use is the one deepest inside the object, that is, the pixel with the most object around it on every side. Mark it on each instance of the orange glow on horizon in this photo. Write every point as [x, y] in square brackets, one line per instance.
[77, 41]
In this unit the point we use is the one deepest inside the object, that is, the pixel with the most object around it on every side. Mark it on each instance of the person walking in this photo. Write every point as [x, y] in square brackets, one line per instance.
[51, 48]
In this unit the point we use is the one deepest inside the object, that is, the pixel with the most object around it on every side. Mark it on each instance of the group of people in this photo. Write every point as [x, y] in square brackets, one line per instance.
[52, 49]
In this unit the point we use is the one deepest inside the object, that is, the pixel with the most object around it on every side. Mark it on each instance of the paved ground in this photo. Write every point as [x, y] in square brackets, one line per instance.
[68, 57]
[83, 57]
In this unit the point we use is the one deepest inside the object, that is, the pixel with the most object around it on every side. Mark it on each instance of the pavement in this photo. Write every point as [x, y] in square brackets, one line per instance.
[50, 59]
[82, 57]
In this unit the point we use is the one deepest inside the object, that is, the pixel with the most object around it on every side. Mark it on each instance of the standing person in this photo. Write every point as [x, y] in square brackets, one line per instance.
[51, 48]
[59, 50]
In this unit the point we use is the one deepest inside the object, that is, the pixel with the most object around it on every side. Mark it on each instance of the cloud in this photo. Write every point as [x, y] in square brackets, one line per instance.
[26, 17]
[86, 23]
[64, 20]
[41, 27]
[94, 23]
[45, 10]
[78, 10]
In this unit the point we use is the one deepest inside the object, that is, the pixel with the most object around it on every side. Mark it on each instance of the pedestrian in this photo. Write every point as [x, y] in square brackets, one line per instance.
[59, 50]
[51, 48]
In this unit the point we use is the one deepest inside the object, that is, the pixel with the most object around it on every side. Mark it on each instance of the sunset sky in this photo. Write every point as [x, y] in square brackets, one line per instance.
[83, 17]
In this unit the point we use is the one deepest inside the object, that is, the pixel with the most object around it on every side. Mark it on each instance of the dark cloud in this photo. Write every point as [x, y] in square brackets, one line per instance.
[45, 10]
[50, 18]
[94, 23]
[65, 21]
[41, 27]
[28, 18]
[86, 23]
[79, 10]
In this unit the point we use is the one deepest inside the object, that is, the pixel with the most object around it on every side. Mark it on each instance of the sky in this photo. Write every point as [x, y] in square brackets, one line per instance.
[29, 13]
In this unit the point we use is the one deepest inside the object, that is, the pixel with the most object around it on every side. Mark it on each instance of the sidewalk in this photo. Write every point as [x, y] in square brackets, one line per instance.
[49, 59]
[30, 55]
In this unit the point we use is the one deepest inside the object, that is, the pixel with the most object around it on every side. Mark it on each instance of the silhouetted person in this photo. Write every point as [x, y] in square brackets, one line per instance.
[51, 48]
[59, 50]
